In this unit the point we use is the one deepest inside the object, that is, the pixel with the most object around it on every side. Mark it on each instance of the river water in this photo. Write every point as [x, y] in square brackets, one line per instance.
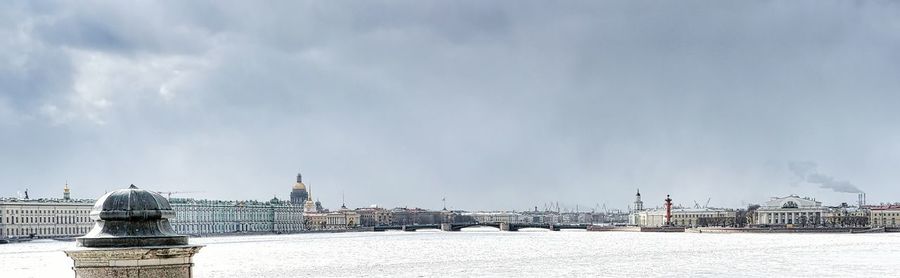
[486, 252]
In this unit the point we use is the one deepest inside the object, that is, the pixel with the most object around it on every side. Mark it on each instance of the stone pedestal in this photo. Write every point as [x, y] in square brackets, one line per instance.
[134, 262]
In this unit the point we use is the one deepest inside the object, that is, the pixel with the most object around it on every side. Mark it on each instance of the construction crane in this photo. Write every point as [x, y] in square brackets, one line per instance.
[707, 202]
[169, 193]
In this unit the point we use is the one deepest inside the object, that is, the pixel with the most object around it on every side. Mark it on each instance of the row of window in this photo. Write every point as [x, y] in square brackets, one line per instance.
[44, 219]
[235, 228]
[702, 215]
[884, 222]
[53, 211]
[46, 231]
[193, 215]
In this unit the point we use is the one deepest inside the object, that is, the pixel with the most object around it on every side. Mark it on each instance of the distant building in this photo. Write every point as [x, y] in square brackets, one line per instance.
[847, 216]
[638, 204]
[791, 210]
[686, 217]
[299, 194]
[408, 216]
[344, 218]
[223, 217]
[634, 218]
[885, 216]
[374, 216]
[318, 218]
[499, 217]
[45, 218]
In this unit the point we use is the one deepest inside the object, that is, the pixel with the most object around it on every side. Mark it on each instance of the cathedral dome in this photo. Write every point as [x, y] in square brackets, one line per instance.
[299, 186]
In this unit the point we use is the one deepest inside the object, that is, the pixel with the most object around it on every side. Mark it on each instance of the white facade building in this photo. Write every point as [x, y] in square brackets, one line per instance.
[683, 217]
[44, 218]
[791, 210]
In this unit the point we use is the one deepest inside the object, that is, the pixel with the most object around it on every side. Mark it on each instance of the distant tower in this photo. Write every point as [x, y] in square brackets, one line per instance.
[638, 204]
[299, 194]
[668, 211]
[309, 206]
[66, 192]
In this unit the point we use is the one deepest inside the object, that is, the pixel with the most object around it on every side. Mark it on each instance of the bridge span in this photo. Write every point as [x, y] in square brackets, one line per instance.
[454, 227]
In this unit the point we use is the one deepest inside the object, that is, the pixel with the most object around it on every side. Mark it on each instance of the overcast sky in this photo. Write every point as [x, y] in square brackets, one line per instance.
[493, 105]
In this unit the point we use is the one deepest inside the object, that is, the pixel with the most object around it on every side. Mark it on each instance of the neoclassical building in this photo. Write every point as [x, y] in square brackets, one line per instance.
[318, 218]
[685, 217]
[885, 216]
[45, 218]
[791, 210]
[374, 216]
[219, 217]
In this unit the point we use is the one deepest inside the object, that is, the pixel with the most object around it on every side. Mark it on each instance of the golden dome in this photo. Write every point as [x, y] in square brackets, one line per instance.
[299, 186]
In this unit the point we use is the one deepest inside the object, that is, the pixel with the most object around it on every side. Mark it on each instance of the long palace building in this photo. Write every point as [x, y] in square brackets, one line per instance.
[199, 217]
[22, 218]
[45, 218]
[66, 217]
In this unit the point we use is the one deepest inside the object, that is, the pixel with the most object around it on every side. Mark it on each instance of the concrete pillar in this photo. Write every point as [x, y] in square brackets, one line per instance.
[447, 227]
[504, 226]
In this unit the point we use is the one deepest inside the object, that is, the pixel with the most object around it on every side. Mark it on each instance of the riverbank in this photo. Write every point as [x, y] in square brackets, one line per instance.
[851, 230]
[291, 233]
[71, 239]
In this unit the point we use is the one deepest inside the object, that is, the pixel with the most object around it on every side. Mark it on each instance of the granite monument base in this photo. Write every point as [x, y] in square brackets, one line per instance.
[134, 262]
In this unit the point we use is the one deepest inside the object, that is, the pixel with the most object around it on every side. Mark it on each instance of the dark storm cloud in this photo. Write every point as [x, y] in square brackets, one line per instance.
[493, 105]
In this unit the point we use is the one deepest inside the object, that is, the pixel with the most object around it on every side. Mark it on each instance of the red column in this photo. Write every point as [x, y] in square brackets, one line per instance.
[668, 211]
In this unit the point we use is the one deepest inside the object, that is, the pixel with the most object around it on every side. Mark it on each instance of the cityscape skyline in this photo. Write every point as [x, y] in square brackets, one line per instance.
[489, 105]
[563, 206]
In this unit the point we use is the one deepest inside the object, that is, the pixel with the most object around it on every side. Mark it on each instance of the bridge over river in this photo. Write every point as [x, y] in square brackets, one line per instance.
[453, 227]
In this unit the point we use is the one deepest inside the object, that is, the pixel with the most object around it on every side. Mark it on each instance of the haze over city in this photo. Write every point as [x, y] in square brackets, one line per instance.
[490, 105]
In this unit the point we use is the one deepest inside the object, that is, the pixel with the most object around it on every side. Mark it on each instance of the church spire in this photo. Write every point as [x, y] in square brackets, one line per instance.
[299, 176]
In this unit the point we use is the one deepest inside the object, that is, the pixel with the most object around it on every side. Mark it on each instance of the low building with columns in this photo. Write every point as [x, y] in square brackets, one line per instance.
[791, 211]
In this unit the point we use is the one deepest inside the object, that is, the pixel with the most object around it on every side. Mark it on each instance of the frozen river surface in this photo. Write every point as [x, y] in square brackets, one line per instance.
[525, 253]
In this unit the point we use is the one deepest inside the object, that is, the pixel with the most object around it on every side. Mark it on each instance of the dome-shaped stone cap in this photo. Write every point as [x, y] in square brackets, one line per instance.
[132, 204]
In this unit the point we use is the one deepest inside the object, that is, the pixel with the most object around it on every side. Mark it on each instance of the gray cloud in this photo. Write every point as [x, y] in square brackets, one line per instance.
[492, 105]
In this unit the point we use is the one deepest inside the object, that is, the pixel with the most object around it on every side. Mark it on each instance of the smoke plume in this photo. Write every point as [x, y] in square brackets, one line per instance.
[806, 171]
